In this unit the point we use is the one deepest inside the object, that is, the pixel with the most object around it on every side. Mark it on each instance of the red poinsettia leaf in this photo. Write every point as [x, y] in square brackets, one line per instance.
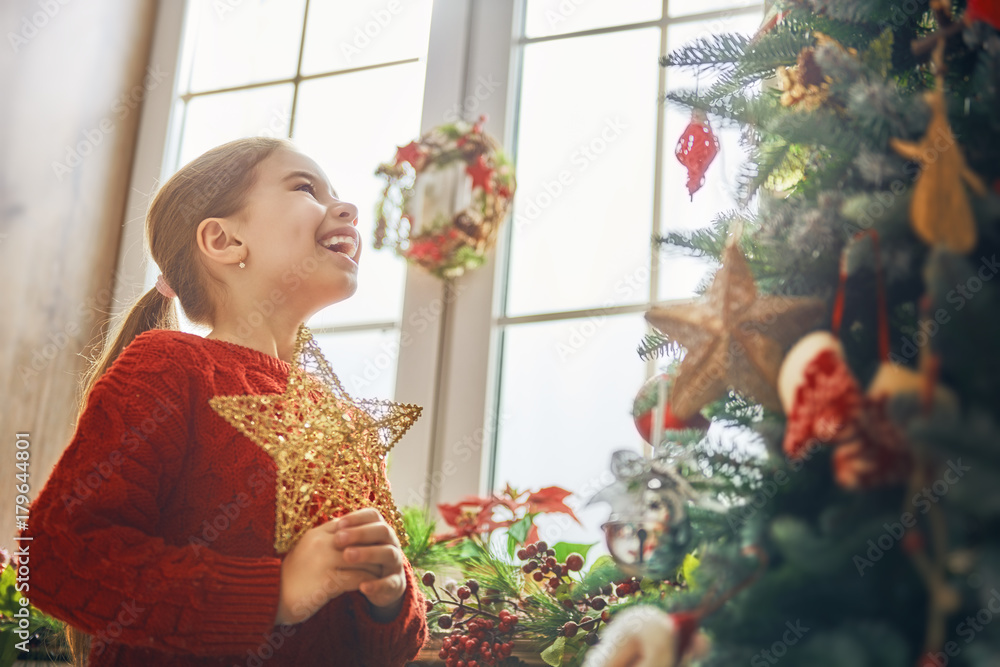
[550, 499]
[532, 535]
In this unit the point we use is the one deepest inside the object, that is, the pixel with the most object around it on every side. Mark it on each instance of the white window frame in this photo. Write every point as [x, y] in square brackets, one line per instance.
[450, 360]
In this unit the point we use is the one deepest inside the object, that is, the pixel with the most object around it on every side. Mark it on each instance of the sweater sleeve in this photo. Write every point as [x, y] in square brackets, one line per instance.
[96, 560]
[396, 642]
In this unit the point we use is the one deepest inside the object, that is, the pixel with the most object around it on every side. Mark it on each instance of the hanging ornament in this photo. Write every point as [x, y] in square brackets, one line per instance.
[445, 197]
[696, 149]
[735, 338]
[939, 208]
[644, 407]
[823, 401]
[648, 530]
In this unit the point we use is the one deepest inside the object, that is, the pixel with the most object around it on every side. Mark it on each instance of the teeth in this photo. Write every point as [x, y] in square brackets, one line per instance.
[334, 240]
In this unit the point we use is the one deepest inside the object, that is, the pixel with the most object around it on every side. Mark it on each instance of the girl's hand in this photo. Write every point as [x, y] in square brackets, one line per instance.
[314, 572]
[367, 540]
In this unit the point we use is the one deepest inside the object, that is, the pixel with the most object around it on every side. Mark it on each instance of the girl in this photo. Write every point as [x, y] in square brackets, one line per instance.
[167, 532]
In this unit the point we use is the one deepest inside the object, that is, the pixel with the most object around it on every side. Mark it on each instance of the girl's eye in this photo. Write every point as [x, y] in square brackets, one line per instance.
[308, 185]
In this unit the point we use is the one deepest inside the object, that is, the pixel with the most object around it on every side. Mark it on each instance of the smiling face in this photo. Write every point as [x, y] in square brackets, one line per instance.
[291, 215]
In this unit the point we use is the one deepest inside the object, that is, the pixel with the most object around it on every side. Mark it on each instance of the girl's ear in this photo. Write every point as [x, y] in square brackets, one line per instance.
[218, 242]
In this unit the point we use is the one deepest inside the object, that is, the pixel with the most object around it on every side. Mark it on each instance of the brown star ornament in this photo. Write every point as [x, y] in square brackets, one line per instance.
[735, 338]
[329, 449]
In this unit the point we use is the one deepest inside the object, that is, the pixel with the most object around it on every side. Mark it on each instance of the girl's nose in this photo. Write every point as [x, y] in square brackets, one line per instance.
[346, 211]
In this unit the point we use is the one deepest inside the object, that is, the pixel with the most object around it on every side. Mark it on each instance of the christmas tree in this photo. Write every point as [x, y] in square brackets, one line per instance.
[852, 326]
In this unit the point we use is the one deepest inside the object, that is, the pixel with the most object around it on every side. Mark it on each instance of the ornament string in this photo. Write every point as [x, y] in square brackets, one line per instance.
[883, 310]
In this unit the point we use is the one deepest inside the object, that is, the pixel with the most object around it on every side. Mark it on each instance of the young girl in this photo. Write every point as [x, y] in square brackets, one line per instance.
[181, 525]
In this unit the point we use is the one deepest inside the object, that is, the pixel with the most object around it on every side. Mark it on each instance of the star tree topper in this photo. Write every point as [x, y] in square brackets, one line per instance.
[735, 338]
[329, 448]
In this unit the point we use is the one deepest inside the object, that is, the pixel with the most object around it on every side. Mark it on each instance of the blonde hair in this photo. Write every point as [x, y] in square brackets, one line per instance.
[215, 184]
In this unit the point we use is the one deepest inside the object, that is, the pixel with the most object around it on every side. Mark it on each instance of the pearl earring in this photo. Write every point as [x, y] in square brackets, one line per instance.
[242, 264]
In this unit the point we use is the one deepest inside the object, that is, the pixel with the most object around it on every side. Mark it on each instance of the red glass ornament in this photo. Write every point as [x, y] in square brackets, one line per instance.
[696, 149]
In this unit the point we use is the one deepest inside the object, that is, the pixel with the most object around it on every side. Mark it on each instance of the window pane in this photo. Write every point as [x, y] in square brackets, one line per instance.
[680, 274]
[215, 119]
[585, 151]
[557, 17]
[343, 35]
[688, 7]
[244, 42]
[364, 361]
[565, 405]
[349, 124]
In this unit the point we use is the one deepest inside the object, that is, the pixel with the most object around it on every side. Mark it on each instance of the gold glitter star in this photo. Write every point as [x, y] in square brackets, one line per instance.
[735, 338]
[329, 449]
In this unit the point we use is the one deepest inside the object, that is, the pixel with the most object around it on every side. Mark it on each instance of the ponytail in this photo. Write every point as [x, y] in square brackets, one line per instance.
[215, 184]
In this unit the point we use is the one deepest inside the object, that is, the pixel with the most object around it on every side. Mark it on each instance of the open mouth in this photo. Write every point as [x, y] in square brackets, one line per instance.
[341, 244]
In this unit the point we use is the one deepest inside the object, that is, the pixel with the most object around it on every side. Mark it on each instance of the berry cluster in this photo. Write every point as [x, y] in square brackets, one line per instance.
[541, 564]
[482, 644]
[479, 638]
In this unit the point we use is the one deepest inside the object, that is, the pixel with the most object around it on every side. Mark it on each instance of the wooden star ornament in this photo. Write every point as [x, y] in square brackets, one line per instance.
[940, 210]
[329, 449]
[735, 338]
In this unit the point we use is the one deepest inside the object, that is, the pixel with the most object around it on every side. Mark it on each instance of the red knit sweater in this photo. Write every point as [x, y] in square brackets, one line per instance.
[155, 531]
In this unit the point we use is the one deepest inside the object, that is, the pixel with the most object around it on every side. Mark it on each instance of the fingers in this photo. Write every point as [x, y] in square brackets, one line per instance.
[371, 533]
[356, 518]
[349, 579]
[388, 556]
[385, 587]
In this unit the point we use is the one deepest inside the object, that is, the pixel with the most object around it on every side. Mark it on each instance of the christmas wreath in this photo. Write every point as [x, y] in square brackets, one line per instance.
[446, 195]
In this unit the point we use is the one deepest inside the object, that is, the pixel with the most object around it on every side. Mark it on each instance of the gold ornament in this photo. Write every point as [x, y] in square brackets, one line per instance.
[804, 84]
[734, 337]
[329, 448]
[940, 210]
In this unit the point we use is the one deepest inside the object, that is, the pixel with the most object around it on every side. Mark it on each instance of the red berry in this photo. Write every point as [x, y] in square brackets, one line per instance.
[574, 562]
[550, 562]
[444, 622]
[522, 554]
[428, 579]
[587, 623]
[570, 629]
[605, 615]
[598, 604]
[541, 546]
[529, 566]
[622, 590]
[463, 592]
[557, 570]
[539, 576]
[473, 585]
[567, 603]
[590, 638]
[532, 550]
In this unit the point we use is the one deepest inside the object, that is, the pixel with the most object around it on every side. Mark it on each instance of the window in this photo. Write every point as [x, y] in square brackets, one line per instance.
[527, 369]
[596, 178]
